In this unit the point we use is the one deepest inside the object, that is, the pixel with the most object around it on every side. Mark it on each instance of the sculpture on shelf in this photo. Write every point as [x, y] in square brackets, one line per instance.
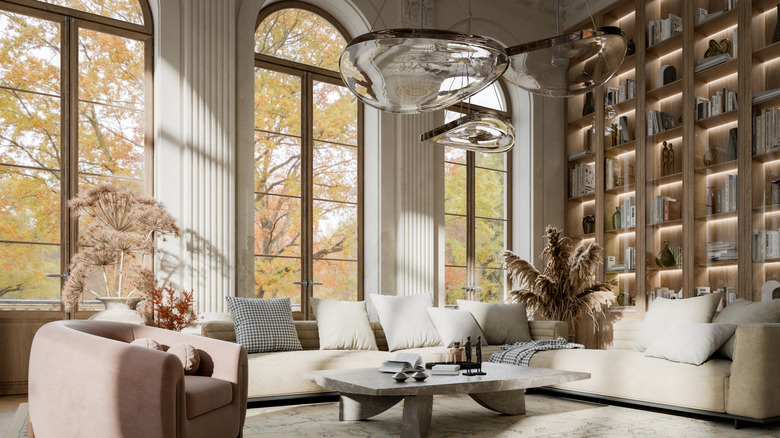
[589, 224]
[670, 161]
[664, 160]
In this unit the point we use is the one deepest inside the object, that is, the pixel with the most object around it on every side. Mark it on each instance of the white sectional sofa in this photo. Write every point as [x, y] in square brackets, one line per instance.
[745, 389]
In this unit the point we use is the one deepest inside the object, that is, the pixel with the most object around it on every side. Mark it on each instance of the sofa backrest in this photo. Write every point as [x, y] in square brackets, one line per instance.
[309, 336]
[624, 334]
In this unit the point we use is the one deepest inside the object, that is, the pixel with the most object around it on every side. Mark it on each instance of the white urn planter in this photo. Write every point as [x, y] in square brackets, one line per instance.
[119, 309]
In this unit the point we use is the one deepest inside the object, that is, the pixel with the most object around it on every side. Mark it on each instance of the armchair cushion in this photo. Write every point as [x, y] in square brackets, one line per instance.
[188, 356]
[205, 394]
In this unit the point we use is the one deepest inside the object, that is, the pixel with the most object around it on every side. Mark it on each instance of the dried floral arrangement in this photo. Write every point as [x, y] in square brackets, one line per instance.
[168, 309]
[119, 241]
[567, 290]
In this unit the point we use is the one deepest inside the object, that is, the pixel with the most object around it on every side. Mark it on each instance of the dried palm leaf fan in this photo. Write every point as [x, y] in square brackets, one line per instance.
[418, 70]
[567, 65]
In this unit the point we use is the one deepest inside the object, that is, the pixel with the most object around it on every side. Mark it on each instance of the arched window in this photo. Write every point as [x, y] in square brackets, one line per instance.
[75, 100]
[477, 206]
[308, 234]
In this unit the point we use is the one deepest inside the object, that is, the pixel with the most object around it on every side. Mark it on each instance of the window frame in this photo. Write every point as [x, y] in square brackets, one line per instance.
[309, 74]
[70, 21]
[471, 216]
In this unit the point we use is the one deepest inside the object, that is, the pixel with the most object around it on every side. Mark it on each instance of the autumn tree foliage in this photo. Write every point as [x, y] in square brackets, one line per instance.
[304, 37]
[38, 159]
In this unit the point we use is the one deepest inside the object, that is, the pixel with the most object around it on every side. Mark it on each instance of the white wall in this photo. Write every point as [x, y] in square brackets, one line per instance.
[204, 142]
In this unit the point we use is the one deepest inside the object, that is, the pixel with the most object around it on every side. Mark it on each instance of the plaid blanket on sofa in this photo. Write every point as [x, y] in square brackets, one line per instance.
[520, 353]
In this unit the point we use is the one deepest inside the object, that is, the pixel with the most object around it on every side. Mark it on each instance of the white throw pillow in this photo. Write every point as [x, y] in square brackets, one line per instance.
[455, 326]
[343, 325]
[405, 321]
[663, 313]
[690, 342]
[501, 323]
[747, 312]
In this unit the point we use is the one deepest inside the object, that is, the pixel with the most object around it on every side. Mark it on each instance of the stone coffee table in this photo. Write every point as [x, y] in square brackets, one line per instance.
[366, 392]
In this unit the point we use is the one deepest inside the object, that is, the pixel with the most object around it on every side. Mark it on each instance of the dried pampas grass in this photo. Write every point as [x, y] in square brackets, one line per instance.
[567, 289]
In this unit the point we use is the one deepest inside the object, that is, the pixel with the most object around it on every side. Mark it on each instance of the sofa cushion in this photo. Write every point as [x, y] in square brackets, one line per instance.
[631, 375]
[664, 312]
[188, 355]
[405, 321]
[501, 323]
[279, 373]
[205, 394]
[343, 325]
[264, 325]
[747, 312]
[690, 342]
[455, 326]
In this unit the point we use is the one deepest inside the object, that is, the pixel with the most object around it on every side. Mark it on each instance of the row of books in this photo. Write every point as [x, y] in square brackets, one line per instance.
[626, 90]
[723, 200]
[582, 179]
[629, 264]
[720, 251]
[723, 101]
[627, 213]
[614, 173]
[712, 61]
[659, 30]
[664, 209]
[766, 245]
[659, 121]
[766, 130]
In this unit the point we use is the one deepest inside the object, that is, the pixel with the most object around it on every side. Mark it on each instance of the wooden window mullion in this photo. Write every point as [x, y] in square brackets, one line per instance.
[307, 189]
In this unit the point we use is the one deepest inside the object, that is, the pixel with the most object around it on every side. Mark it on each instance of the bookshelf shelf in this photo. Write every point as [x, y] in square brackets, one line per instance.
[621, 148]
[720, 119]
[627, 65]
[665, 47]
[666, 91]
[727, 166]
[669, 134]
[768, 53]
[717, 216]
[582, 122]
[715, 24]
[717, 72]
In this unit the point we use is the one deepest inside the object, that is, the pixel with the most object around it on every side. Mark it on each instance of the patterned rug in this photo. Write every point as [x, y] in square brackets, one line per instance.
[459, 416]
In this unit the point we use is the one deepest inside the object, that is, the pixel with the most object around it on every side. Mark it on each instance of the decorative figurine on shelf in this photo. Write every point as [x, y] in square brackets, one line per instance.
[716, 48]
[665, 257]
[631, 46]
[589, 224]
[670, 162]
[475, 370]
[589, 106]
[776, 34]
[664, 160]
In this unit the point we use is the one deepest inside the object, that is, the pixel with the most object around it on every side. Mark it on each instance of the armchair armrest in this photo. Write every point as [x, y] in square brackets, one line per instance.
[754, 385]
[86, 385]
[548, 329]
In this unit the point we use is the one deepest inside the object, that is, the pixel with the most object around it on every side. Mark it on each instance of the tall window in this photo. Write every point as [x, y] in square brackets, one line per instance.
[307, 161]
[75, 81]
[476, 212]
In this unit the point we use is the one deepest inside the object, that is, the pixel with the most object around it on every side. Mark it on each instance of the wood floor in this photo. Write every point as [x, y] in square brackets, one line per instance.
[8, 405]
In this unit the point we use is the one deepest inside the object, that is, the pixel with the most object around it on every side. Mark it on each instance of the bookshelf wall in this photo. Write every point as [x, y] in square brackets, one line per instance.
[687, 161]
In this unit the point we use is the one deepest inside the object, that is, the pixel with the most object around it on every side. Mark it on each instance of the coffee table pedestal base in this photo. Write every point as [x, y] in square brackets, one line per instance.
[504, 402]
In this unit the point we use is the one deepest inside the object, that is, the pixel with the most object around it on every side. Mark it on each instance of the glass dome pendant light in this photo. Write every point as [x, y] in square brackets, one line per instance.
[419, 70]
[567, 65]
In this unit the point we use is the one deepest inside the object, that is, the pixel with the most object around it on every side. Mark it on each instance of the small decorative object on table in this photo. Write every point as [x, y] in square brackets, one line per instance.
[456, 353]
[400, 377]
[477, 370]
[419, 376]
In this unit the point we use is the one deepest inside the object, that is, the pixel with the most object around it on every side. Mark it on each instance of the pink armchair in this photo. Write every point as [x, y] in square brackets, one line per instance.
[86, 380]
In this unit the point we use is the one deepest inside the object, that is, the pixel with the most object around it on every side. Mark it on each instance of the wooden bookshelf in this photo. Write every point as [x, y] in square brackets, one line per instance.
[706, 161]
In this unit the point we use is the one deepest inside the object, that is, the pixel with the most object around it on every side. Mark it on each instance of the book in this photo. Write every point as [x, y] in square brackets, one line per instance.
[445, 370]
[403, 362]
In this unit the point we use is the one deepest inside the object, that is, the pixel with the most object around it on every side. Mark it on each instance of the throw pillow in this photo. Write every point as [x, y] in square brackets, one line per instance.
[405, 322]
[747, 312]
[188, 356]
[264, 325]
[455, 326]
[147, 343]
[501, 323]
[343, 325]
[663, 313]
[690, 342]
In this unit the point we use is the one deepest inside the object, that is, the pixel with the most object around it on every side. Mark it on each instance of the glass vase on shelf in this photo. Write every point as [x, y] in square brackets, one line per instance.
[665, 257]
[617, 218]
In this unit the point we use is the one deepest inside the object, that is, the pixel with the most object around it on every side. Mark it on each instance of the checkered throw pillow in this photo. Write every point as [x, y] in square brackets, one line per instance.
[264, 325]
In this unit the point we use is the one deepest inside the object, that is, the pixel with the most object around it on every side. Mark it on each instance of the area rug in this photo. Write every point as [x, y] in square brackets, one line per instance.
[459, 416]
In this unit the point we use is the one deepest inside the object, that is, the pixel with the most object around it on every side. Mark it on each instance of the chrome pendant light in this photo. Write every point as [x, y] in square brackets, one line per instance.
[567, 65]
[480, 131]
[419, 70]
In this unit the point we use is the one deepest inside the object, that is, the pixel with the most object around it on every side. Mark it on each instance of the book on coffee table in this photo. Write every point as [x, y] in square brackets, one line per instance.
[403, 362]
[445, 370]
